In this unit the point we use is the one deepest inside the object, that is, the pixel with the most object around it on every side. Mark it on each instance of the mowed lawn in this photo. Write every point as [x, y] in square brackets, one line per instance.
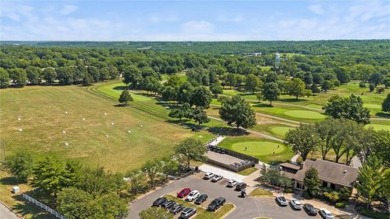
[266, 150]
[72, 122]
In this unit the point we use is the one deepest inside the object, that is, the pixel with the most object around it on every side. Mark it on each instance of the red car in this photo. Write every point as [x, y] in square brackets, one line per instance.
[183, 193]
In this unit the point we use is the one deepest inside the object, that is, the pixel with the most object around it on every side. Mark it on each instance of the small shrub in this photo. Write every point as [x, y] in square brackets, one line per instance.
[306, 195]
[371, 87]
[288, 190]
[362, 85]
[340, 205]
[299, 160]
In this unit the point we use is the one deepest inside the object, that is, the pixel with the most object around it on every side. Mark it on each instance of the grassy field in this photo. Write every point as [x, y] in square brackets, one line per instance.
[257, 147]
[260, 193]
[71, 122]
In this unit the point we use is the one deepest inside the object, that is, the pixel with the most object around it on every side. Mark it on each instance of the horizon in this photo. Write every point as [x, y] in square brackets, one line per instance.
[195, 21]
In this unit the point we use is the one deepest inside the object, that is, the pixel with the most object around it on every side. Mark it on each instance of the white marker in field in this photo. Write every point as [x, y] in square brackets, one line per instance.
[20, 130]
[83, 119]
[64, 131]
[66, 144]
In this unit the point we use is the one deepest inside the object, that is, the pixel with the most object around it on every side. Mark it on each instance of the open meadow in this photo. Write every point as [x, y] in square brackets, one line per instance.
[72, 122]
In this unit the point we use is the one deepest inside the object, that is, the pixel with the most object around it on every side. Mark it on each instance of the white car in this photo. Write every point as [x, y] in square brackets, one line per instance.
[232, 183]
[296, 204]
[193, 195]
[208, 175]
[216, 178]
[326, 214]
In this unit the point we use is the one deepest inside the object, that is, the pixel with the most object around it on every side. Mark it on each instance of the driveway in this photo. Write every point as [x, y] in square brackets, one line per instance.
[6, 213]
[246, 208]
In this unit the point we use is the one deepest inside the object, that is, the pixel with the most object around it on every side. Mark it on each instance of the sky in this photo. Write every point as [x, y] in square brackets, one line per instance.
[190, 20]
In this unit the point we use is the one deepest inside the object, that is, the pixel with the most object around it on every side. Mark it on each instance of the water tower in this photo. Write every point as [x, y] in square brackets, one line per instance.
[277, 60]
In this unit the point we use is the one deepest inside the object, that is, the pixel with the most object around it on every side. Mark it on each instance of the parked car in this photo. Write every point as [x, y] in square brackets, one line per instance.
[208, 175]
[216, 178]
[158, 202]
[281, 201]
[310, 209]
[176, 208]
[202, 198]
[232, 183]
[168, 204]
[193, 195]
[187, 213]
[240, 186]
[183, 193]
[296, 204]
[326, 214]
[216, 203]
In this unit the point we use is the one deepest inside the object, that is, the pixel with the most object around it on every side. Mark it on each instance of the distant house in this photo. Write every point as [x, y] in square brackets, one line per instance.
[332, 175]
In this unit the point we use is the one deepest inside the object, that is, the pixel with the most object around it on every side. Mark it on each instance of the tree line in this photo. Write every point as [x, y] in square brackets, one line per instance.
[82, 192]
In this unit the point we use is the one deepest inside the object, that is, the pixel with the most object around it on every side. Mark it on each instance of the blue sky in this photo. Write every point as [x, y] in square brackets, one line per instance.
[202, 20]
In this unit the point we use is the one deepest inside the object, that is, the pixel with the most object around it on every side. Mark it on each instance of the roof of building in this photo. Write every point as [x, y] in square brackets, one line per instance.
[290, 166]
[328, 171]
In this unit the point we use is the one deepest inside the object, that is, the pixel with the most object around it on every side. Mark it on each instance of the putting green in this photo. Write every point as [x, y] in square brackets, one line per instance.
[304, 114]
[280, 130]
[256, 148]
[372, 106]
[378, 127]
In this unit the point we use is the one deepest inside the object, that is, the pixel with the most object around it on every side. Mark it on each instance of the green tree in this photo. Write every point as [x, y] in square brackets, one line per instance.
[33, 74]
[326, 85]
[113, 206]
[370, 180]
[152, 168]
[312, 181]
[183, 111]
[349, 107]
[201, 97]
[270, 92]
[253, 83]
[314, 89]
[342, 75]
[376, 79]
[199, 115]
[216, 89]
[155, 213]
[169, 93]
[296, 87]
[75, 203]
[137, 181]
[49, 74]
[132, 76]
[191, 149]
[87, 79]
[381, 146]
[236, 111]
[125, 97]
[18, 76]
[20, 165]
[302, 140]
[4, 78]
[386, 104]
[274, 177]
[326, 131]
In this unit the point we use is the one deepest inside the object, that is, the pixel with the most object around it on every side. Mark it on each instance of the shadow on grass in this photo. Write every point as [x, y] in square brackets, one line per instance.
[292, 100]
[383, 115]
[24, 208]
[227, 131]
[262, 105]
[9, 181]
[121, 87]
[185, 123]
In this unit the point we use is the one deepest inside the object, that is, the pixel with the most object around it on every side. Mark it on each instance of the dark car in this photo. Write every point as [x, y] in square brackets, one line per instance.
[160, 201]
[168, 204]
[240, 186]
[281, 201]
[310, 209]
[187, 213]
[202, 198]
[176, 208]
[183, 193]
[216, 203]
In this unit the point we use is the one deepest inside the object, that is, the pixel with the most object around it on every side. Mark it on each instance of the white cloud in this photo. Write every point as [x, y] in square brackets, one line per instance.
[158, 19]
[199, 27]
[317, 9]
[68, 9]
[230, 19]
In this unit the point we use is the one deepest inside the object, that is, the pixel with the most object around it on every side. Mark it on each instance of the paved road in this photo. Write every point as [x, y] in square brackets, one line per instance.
[247, 208]
[5, 213]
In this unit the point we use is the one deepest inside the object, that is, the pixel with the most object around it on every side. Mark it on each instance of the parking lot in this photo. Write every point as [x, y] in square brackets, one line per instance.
[246, 208]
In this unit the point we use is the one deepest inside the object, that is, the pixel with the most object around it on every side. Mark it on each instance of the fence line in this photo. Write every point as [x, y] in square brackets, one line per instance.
[43, 206]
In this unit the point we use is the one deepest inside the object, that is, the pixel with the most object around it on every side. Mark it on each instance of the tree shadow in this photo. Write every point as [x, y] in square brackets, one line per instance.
[228, 131]
[185, 123]
[121, 88]
[292, 100]
[25, 208]
[262, 105]
[9, 181]
[383, 115]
